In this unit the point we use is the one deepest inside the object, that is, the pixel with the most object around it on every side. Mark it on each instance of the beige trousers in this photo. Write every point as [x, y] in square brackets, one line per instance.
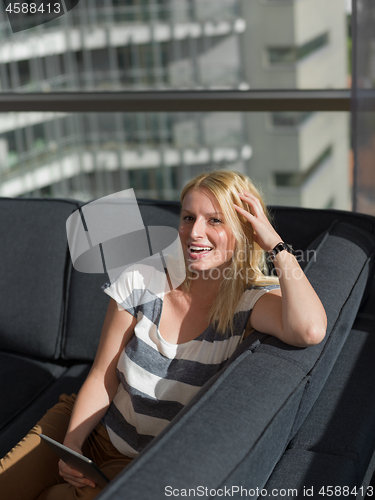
[30, 471]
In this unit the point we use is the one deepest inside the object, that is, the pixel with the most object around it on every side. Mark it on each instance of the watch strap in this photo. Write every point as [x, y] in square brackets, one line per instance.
[279, 248]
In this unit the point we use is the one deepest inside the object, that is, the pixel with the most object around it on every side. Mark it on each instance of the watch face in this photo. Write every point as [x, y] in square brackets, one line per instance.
[279, 247]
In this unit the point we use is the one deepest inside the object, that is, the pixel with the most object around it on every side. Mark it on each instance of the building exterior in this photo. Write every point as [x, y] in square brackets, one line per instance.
[112, 45]
[299, 158]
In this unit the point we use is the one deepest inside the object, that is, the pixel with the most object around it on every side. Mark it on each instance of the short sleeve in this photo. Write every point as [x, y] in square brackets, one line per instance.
[137, 285]
[253, 294]
[121, 291]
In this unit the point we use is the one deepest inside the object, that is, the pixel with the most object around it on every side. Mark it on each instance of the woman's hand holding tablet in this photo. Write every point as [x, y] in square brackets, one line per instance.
[75, 468]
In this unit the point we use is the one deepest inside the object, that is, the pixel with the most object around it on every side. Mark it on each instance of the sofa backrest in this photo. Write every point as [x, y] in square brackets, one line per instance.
[34, 274]
[52, 311]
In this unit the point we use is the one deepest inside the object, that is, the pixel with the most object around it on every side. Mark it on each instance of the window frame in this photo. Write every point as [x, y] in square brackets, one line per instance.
[179, 101]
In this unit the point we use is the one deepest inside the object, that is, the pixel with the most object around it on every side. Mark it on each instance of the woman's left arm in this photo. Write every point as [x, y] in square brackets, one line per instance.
[294, 313]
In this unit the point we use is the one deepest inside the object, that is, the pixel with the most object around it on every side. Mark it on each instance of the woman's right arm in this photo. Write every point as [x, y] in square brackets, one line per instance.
[99, 388]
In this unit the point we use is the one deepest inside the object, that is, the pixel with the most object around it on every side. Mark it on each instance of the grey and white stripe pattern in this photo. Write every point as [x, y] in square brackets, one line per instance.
[156, 378]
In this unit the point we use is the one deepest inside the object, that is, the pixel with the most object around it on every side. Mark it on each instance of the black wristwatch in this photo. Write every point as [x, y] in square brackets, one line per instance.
[279, 248]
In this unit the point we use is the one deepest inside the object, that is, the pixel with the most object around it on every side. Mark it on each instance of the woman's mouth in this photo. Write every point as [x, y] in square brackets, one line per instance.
[197, 252]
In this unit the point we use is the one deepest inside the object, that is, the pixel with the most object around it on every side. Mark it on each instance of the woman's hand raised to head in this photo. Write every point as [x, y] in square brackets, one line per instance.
[294, 313]
[264, 234]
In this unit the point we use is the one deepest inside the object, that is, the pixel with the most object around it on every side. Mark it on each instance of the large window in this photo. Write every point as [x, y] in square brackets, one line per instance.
[185, 45]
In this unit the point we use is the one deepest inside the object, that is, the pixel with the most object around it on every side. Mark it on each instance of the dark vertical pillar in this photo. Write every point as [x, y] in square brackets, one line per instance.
[363, 105]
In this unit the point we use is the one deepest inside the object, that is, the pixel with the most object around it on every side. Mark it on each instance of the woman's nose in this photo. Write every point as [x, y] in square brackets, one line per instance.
[197, 228]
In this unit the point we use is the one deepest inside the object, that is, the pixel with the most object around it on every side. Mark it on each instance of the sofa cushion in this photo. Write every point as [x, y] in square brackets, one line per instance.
[236, 428]
[34, 268]
[87, 306]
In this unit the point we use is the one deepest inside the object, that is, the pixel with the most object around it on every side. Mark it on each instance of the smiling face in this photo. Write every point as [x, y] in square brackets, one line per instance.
[206, 239]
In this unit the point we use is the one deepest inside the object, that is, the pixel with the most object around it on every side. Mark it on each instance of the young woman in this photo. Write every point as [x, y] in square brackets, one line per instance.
[157, 350]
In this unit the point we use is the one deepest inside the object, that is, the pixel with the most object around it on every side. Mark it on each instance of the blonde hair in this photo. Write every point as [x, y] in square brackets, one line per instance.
[248, 264]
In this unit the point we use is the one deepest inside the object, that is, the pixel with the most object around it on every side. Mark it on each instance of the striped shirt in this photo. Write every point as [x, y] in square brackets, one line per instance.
[156, 378]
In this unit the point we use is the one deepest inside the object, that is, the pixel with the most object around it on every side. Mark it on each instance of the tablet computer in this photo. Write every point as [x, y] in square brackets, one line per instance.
[77, 461]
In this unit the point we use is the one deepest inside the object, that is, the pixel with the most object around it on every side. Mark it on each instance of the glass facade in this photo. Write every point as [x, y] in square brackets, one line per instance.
[83, 155]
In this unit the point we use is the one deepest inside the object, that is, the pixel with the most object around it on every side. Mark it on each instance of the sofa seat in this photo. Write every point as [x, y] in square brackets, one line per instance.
[31, 377]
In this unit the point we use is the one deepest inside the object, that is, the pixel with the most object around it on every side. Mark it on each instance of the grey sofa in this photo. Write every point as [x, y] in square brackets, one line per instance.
[276, 418]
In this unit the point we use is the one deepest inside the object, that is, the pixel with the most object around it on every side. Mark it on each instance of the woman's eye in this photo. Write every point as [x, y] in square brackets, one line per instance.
[189, 218]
